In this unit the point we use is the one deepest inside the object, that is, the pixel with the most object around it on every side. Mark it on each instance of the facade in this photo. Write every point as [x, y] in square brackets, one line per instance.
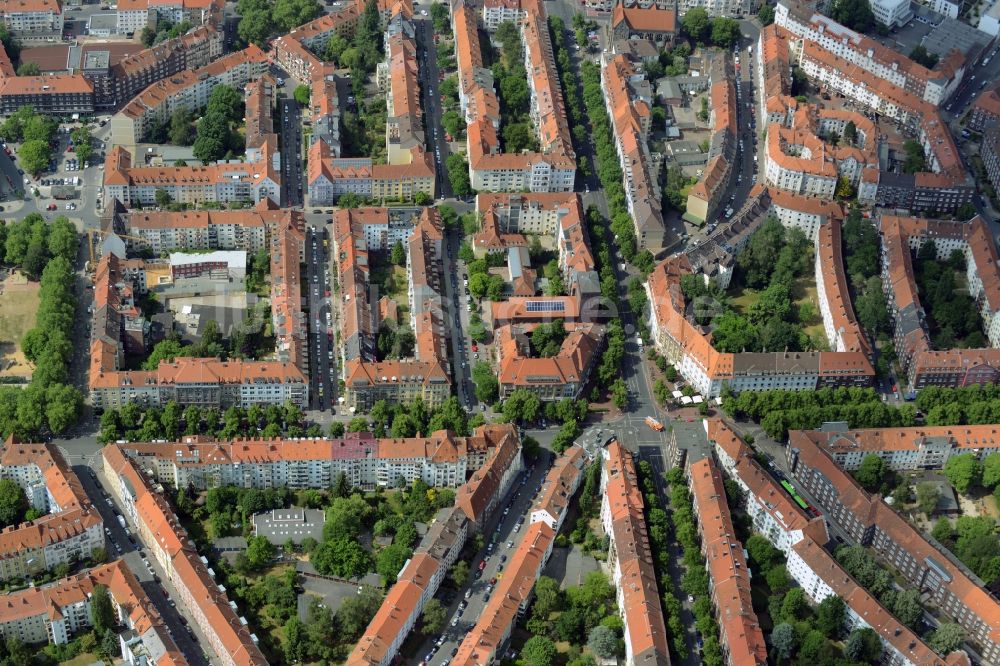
[32, 18]
[729, 8]
[70, 529]
[631, 560]
[59, 94]
[843, 331]
[989, 150]
[197, 591]
[985, 110]
[925, 366]
[629, 102]
[709, 370]
[868, 520]
[53, 613]
[892, 13]
[134, 15]
[197, 381]
[441, 459]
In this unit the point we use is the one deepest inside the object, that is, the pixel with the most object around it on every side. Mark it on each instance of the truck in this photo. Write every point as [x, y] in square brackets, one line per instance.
[654, 424]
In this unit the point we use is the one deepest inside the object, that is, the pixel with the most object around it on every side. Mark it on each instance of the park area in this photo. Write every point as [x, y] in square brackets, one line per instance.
[805, 303]
[18, 306]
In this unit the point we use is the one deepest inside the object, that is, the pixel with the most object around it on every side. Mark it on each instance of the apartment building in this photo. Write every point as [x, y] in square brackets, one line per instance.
[843, 332]
[807, 214]
[985, 110]
[482, 493]
[905, 449]
[328, 176]
[709, 370]
[629, 98]
[740, 635]
[118, 327]
[247, 230]
[706, 196]
[507, 218]
[187, 89]
[440, 459]
[32, 18]
[398, 72]
[564, 375]
[136, 72]
[356, 233]
[631, 560]
[58, 94]
[198, 381]
[559, 487]
[924, 366]
[70, 527]
[423, 573]
[893, 86]
[134, 15]
[224, 264]
[799, 159]
[802, 538]
[553, 168]
[772, 512]
[55, 612]
[867, 519]
[989, 150]
[654, 23]
[197, 591]
[728, 8]
[222, 182]
[485, 642]
[324, 109]
[496, 12]
[288, 321]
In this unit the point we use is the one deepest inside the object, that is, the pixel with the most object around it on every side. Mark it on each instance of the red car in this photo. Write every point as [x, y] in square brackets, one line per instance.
[51, 207]
[475, 348]
[482, 564]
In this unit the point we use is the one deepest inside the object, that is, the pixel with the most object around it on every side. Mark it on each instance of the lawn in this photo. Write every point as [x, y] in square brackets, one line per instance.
[381, 269]
[85, 659]
[18, 305]
[804, 291]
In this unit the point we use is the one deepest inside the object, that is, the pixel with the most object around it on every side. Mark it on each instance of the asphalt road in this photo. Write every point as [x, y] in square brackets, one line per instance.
[431, 102]
[321, 365]
[505, 531]
[291, 152]
[458, 320]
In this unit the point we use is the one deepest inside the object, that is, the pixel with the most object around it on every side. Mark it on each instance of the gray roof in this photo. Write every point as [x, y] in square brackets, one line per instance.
[951, 34]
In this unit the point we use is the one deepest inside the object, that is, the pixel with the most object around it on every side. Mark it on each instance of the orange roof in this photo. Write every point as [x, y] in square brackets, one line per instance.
[648, 19]
[478, 495]
[55, 84]
[727, 567]
[836, 291]
[570, 365]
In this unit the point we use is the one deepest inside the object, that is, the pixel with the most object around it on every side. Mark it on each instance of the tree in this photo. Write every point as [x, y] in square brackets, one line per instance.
[991, 470]
[342, 557]
[460, 573]
[963, 471]
[302, 94]
[915, 160]
[928, 495]
[162, 197]
[260, 552]
[947, 638]
[433, 617]
[619, 393]
[398, 255]
[921, 55]
[831, 615]
[34, 155]
[696, 24]
[458, 175]
[357, 611]
[794, 607]
[391, 560]
[784, 640]
[487, 386]
[855, 14]
[725, 31]
[872, 472]
[13, 503]
[765, 14]
[29, 69]
[603, 642]
[863, 645]
[102, 612]
[539, 651]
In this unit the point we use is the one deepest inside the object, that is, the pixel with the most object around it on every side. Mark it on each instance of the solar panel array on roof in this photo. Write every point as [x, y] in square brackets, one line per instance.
[545, 306]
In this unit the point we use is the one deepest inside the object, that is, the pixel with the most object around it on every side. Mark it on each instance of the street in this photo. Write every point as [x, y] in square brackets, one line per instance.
[503, 534]
[322, 367]
[431, 103]
[291, 152]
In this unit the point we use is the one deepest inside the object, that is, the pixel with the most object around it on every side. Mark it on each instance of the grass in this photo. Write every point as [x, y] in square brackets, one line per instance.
[381, 268]
[18, 306]
[803, 291]
[84, 659]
